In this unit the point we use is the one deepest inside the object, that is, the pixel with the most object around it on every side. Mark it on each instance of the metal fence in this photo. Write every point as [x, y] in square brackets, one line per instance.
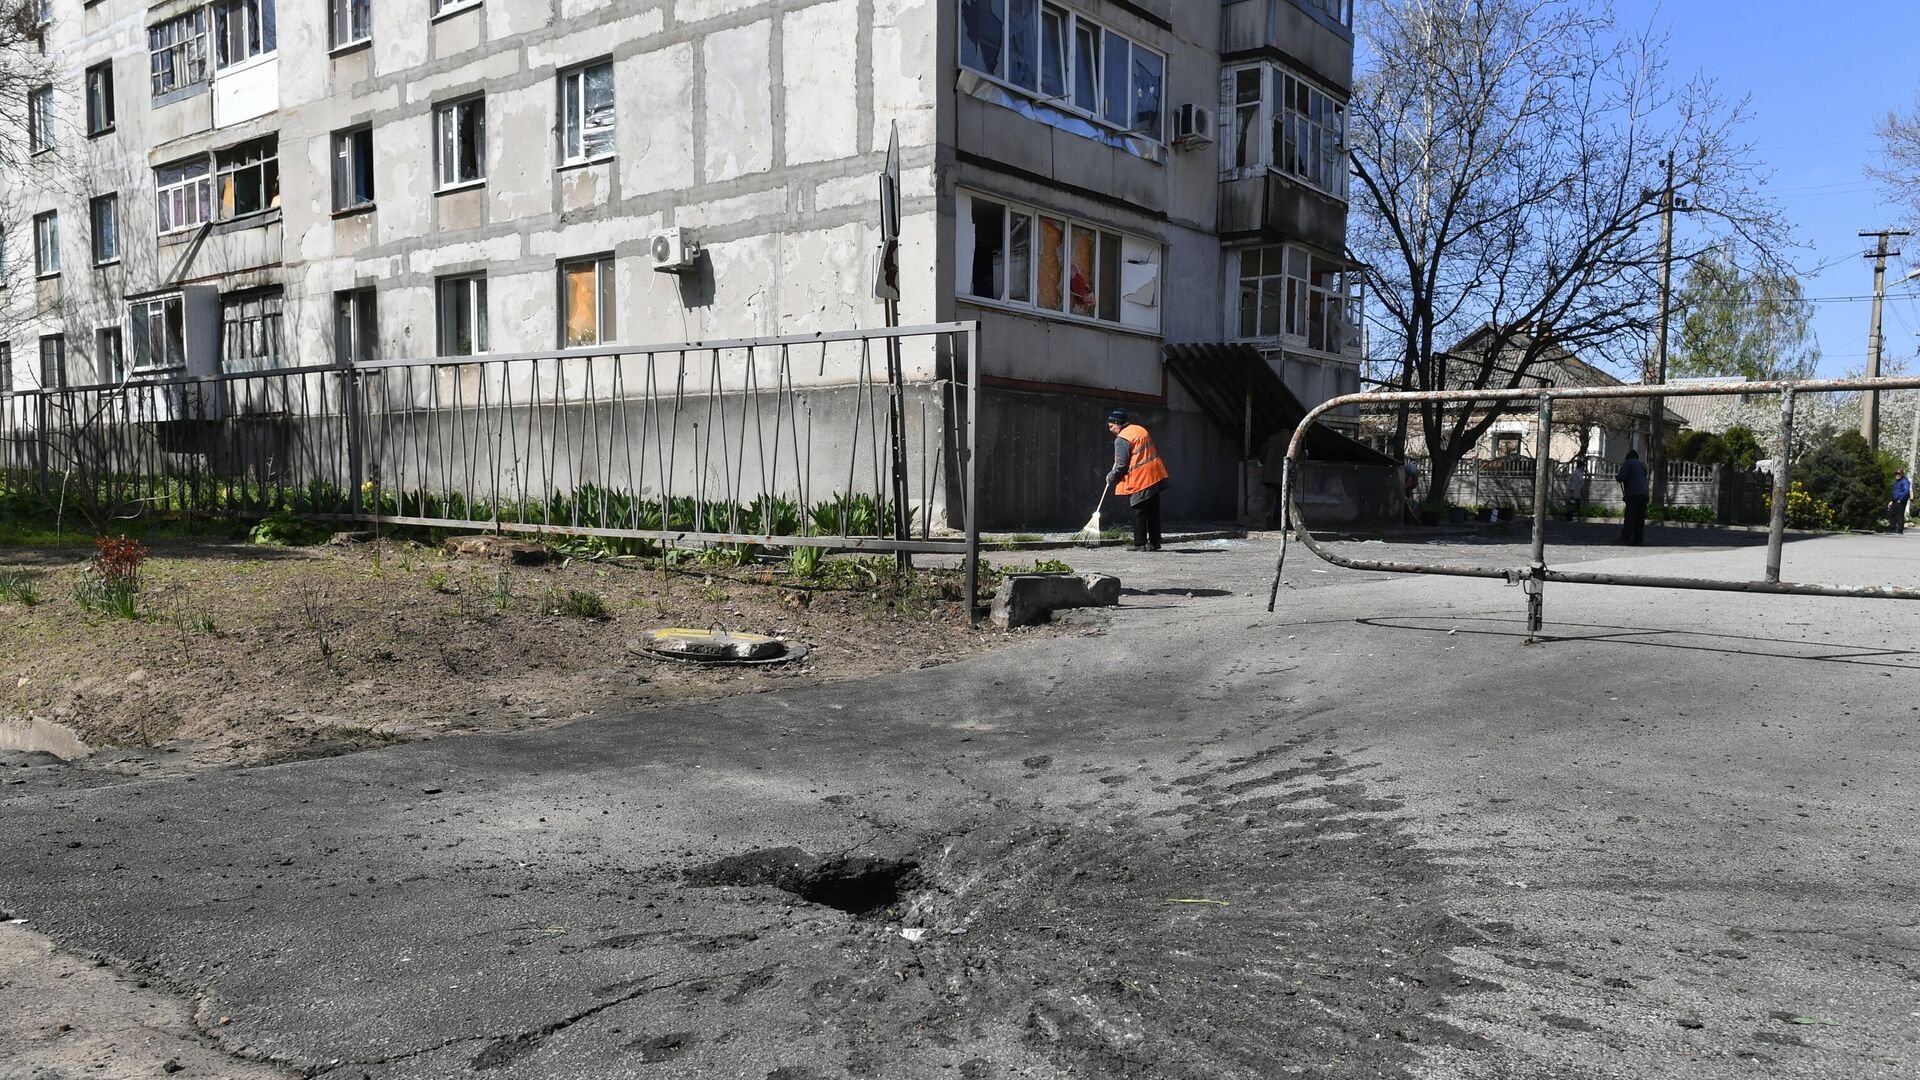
[857, 440]
[1537, 573]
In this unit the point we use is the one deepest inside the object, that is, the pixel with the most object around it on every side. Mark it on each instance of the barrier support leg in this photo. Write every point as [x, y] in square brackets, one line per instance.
[1536, 584]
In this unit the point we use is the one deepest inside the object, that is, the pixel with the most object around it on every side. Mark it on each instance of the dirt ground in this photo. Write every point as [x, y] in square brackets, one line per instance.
[247, 654]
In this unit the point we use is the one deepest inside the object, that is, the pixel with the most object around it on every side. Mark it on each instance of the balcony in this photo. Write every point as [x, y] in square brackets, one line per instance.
[1301, 31]
[1269, 206]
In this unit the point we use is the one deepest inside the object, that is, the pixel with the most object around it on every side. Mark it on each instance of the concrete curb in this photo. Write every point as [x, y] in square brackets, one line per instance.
[989, 544]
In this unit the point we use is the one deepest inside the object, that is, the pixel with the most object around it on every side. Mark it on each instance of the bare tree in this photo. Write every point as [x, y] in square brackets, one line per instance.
[1899, 167]
[25, 66]
[1511, 157]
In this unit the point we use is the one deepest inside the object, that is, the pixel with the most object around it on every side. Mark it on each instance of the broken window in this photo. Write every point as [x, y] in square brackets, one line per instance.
[178, 52]
[1149, 77]
[1082, 274]
[353, 169]
[249, 178]
[1288, 291]
[989, 274]
[1246, 116]
[586, 109]
[1109, 283]
[586, 296]
[185, 193]
[1086, 65]
[250, 337]
[983, 27]
[463, 315]
[1023, 45]
[159, 333]
[100, 98]
[463, 138]
[1053, 264]
[242, 30]
[1053, 53]
[1020, 257]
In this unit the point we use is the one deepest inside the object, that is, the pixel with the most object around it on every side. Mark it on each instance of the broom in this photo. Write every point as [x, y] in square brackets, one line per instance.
[1091, 532]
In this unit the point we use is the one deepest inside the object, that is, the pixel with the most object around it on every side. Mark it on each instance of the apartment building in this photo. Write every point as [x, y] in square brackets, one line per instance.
[240, 185]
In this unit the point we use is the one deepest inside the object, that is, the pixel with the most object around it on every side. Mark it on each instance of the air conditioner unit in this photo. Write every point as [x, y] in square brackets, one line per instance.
[1192, 126]
[673, 251]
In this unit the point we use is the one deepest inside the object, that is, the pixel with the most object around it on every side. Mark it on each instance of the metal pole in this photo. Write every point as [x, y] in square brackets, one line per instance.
[356, 452]
[1542, 478]
[973, 474]
[1776, 529]
[1286, 505]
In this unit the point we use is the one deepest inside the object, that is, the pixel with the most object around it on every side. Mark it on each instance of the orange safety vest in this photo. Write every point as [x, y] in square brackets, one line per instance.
[1144, 468]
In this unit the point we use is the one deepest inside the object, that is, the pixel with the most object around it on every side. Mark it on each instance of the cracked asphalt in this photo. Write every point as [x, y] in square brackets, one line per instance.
[1372, 834]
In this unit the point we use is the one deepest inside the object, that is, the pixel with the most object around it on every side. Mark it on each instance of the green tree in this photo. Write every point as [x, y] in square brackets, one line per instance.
[1735, 322]
[1743, 450]
[1845, 473]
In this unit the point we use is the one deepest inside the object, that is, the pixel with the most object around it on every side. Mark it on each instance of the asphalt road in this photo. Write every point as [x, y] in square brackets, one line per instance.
[1373, 834]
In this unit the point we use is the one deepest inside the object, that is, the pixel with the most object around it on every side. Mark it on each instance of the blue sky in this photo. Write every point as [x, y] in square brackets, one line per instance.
[1818, 76]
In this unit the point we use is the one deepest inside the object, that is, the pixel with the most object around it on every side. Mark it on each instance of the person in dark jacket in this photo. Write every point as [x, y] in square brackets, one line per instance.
[1140, 475]
[1897, 507]
[1634, 488]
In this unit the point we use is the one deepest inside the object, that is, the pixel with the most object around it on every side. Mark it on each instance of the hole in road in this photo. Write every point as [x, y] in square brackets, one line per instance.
[859, 886]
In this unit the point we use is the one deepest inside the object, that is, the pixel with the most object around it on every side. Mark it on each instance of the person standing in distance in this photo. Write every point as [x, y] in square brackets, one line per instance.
[1141, 477]
[1897, 509]
[1634, 488]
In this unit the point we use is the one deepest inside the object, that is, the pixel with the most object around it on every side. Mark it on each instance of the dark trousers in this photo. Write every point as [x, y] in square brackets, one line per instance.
[1634, 530]
[1897, 517]
[1146, 522]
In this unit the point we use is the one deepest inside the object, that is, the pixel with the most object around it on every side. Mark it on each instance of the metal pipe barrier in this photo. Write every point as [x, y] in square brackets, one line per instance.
[1534, 576]
[779, 442]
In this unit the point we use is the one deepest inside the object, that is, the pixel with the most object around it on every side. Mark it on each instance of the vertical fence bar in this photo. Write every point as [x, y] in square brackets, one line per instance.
[1777, 527]
[1542, 477]
[973, 475]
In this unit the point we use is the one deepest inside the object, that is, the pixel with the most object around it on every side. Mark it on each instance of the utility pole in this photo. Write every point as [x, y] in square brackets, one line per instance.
[1656, 448]
[1870, 407]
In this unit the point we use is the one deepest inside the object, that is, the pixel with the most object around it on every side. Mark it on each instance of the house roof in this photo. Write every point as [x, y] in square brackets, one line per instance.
[1557, 367]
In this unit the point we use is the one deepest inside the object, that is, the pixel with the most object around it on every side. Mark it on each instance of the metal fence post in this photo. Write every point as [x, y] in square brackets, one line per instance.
[1777, 528]
[356, 452]
[973, 475]
[1542, 476]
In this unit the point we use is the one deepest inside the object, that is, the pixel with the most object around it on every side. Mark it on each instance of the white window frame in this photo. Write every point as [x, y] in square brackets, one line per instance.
[46, 244]
[142, 317]
[191, 191]
[109, 355]
[1135, 257]
[1073, 26]
[251, 24]
[475, 288]
[40, 120]
[356, 322]
[253, 329]
[1302, 295]
[447, 150]
[606, 310]
[1340, 11]
[101, 107]
[349, 22]
[1318, 135]
[448, 7]
[177, 52]
[575, 131]
[352, 158]
[233, 163]
[109, 253]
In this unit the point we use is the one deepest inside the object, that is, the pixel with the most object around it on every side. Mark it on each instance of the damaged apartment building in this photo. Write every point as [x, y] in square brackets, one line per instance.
[1141, 202]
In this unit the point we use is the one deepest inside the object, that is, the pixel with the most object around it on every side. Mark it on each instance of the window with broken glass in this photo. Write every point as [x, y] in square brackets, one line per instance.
[250, 337]
[1285, 123]
[158, 329]
[185, 194]
[178, 51]
[1300, 297]
[586, 113]
[249, 178]
[586, 299]
[1024, 257]
[242, 30]
[462, 131]
[1062, 58]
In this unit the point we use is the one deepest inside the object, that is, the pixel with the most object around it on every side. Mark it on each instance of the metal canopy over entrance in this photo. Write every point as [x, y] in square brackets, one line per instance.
[1536, 573]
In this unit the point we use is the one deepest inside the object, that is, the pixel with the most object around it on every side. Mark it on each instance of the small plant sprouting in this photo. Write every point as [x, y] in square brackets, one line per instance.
[716, 595]
[439, 582]
[577, 604]
[313, 610]
[17, 586]
[806, 560]
[111, 584]
[503, 591]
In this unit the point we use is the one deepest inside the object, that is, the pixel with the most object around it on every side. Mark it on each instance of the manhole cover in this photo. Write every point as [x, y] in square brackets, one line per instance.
[716, 646]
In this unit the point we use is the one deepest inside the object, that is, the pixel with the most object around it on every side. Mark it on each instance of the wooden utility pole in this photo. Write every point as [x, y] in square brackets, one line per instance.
[1870, 406]
[1656, 447]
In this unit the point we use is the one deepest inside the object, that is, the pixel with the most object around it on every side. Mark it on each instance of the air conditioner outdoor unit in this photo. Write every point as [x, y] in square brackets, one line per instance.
[673, 251]
[1192, 126]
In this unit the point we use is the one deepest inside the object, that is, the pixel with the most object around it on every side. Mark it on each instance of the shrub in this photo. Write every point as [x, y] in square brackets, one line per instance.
[1844, 473]
[285, 530]
[111, 583]
[577, 604]
[1803, 510]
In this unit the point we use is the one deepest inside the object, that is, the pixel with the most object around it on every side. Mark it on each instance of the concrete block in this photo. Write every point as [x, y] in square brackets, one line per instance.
[655, 131]
[739, 101]
[1026, 599]
[823, 107]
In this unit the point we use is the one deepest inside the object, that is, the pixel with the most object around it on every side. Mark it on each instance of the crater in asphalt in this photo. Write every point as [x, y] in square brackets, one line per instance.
[859, 886]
